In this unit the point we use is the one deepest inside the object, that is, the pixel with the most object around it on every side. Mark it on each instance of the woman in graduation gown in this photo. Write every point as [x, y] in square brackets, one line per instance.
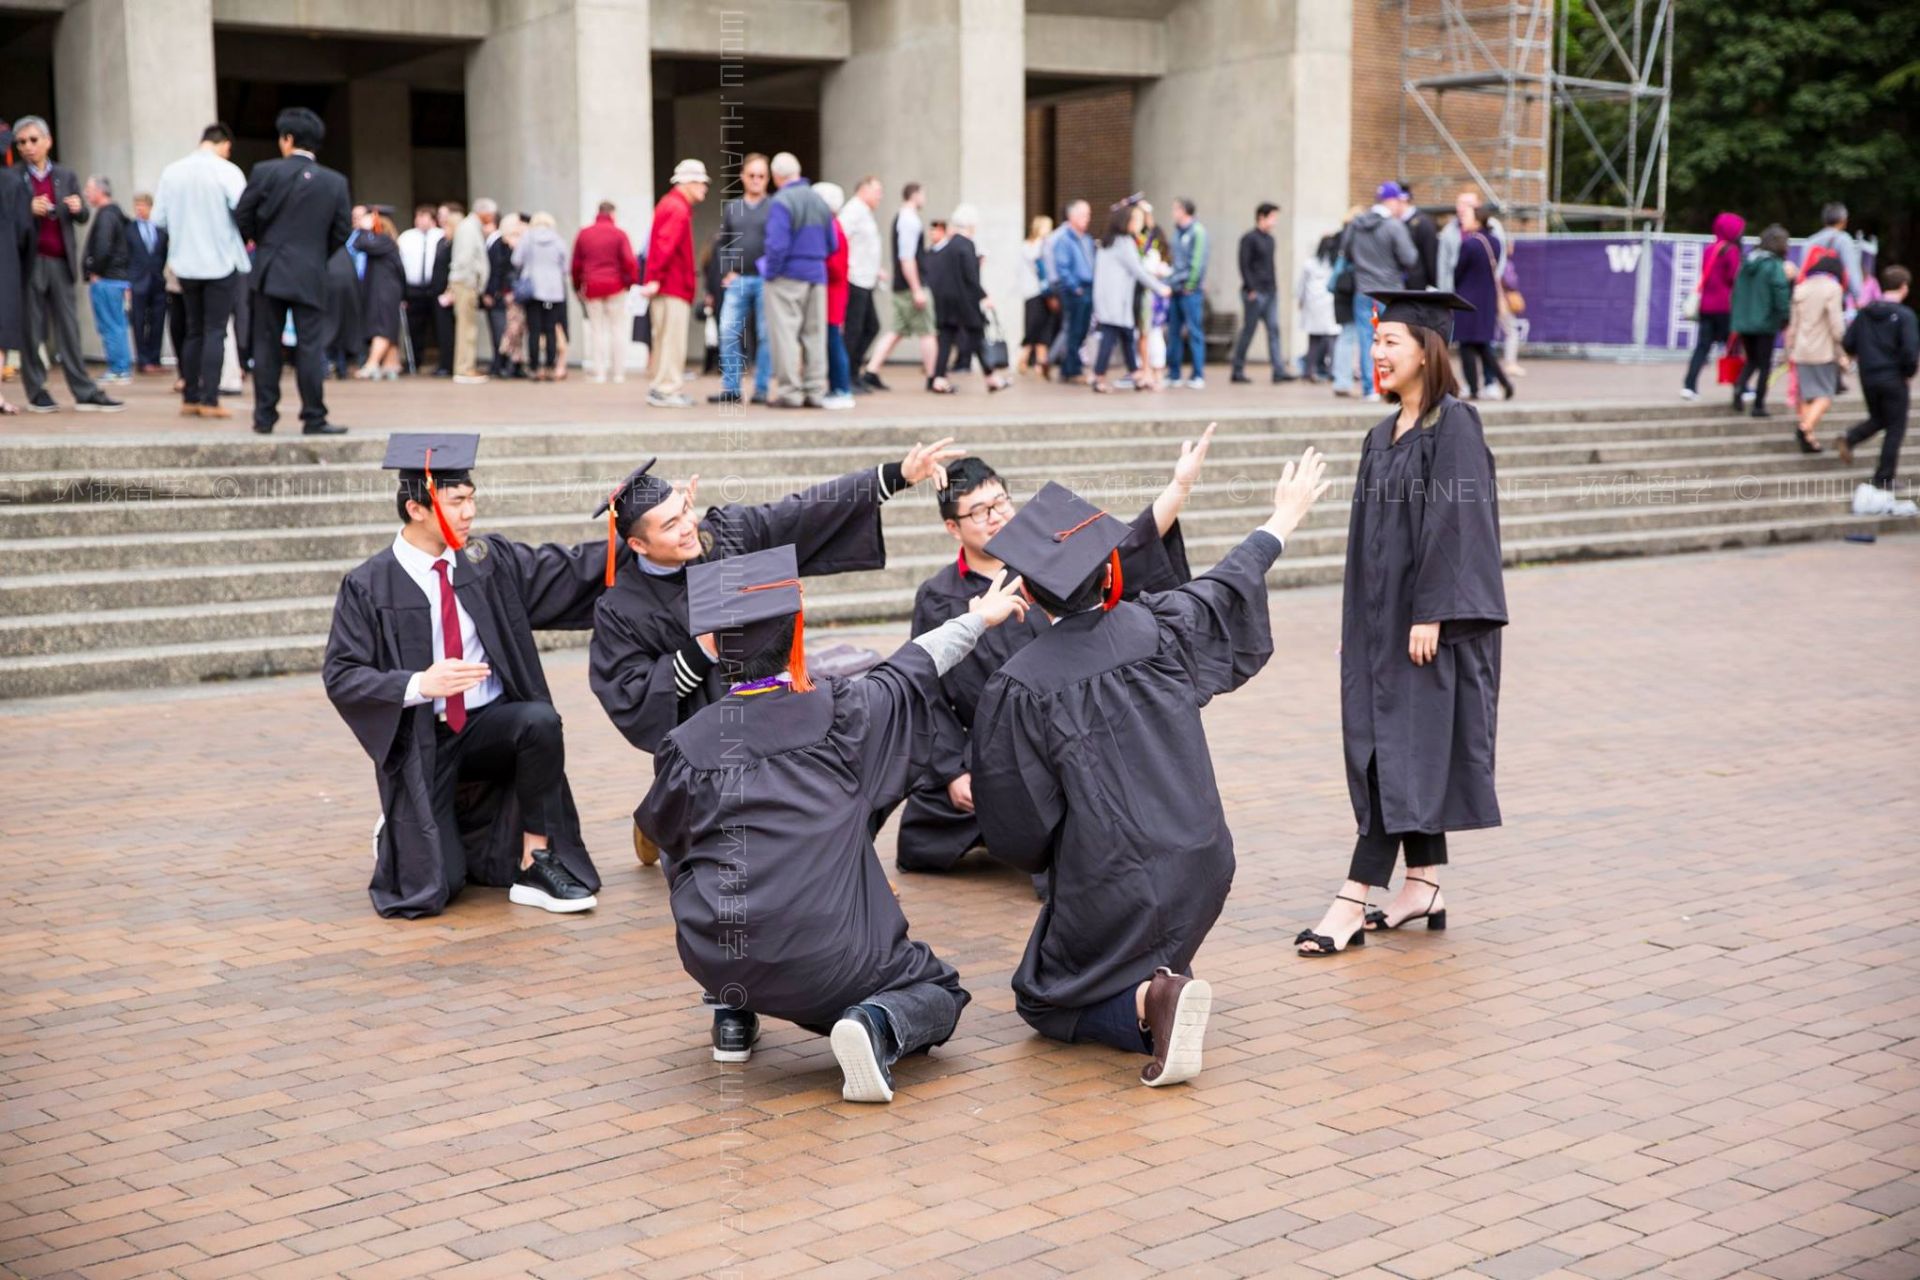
[1091, 765]
[937, 826]
[761, 804]
[1420, 630]
[440, 829]
[646, 667]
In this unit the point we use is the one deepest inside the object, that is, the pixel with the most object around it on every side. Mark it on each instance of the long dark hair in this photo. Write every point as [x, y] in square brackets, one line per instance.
[1437, 380]
[1117, 220]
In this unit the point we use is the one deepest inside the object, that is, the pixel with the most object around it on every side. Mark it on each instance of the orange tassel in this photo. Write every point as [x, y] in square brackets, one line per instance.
[612, 542]
[1062, 535]
[1113, 582]
[433, 497]
[797, 656]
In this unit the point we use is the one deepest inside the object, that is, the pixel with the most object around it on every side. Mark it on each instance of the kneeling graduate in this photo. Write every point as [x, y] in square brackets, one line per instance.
[432, 664]
[762, 805]
[1090, 764]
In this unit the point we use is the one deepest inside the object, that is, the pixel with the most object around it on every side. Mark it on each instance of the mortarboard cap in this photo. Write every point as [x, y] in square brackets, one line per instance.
[427, 460]
[1058, 541]
[1428, 308]
[638, 494]
[752, 594]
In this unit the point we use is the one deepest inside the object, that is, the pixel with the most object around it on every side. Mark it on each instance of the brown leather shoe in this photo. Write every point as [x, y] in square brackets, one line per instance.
[1177, 1010]
[189, 410]
[215, 411]
[644, 848]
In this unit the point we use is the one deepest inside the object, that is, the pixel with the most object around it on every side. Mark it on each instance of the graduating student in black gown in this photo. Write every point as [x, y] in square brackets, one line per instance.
[432, 664]
[761, 803]
[1090, 764]
[1420, 630]
[647, 668]
[937, 826]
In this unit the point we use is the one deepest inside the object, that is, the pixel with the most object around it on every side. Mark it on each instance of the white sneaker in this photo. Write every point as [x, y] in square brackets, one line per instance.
[1871, 501]
[658, 401]
[842, 401]
[600, 378]
[1904, 507]
[1688, 393]
[471, 379]
[1373, 397]
[1196, 384]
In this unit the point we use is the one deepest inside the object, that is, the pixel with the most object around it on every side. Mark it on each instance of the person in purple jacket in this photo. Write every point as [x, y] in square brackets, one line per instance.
[801, 235]
[1719, 267]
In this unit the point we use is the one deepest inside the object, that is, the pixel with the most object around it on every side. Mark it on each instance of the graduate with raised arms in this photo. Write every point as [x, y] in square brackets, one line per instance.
[937, 825]
[648, 670]
[762, 805]
[1090, 764]
[431, 662]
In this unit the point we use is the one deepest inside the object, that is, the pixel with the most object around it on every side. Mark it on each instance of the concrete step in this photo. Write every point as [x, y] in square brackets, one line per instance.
[149, 665]
[1120, 480]
[674, 434]
[1218, 511]
[276, 610]
[599, 470]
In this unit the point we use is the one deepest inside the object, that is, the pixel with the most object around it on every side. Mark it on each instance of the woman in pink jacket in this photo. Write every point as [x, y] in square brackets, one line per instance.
[1719, 266]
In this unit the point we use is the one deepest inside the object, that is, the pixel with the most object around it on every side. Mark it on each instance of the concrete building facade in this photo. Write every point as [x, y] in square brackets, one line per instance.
[559, 104]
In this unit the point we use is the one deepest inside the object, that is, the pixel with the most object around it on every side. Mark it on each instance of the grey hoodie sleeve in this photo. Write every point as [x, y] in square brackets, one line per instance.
[1403, 251]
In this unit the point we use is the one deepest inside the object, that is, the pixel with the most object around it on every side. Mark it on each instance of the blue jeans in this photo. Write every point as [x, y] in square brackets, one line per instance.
[1078, 309]
[1114, 1022]
[110, 318]
[1359, 331]
[744, 296]
[1186, 329]
[839, 376]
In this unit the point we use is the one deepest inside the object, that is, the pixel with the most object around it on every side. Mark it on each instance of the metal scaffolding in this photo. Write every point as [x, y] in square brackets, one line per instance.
[1557, 110]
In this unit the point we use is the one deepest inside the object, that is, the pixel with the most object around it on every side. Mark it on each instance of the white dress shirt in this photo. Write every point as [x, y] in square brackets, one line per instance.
[417, 249]
[419, 567]
[863, 244]
[194, 205]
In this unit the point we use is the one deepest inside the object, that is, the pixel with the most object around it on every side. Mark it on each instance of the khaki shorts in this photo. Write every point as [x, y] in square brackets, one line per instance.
[910, 321]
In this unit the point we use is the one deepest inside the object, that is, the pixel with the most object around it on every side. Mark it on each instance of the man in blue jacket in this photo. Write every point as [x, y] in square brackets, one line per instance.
[801, 234]
[1070, 263]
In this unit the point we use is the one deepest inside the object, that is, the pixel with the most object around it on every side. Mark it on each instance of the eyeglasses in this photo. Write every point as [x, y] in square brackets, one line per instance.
[999, 506]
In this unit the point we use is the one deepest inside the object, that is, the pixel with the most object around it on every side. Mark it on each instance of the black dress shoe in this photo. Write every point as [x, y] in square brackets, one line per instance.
[864, 1049]
[724, 397]
[99, 402]
[262, 431]
[548, 884]
[323, 429]
[1240, 377]
[734, 1034]
[873, 380]
[1284, 376]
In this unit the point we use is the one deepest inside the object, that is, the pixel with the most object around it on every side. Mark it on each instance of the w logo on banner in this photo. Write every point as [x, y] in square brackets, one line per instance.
[1623, 258]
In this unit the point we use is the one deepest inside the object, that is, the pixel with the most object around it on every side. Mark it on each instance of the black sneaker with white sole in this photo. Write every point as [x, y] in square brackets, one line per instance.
[734, 1034]
[548, 884]
[41, 402]
[99, 402]
[862, 1046]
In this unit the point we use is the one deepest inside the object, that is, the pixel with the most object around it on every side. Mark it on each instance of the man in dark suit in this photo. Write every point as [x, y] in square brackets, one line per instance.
[147, 270]
[52, 272]
[297, 213]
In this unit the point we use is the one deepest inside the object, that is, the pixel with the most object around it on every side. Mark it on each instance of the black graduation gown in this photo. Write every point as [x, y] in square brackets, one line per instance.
[934, 835]
[639, 624]
[1423, 545]
[1090, 764]
[346, 332]
[760, 805]
[382, 634]
[17, 236]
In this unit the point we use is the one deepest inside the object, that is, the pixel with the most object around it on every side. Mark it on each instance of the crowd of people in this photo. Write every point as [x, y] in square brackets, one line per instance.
[774, 769]
[1828, 316]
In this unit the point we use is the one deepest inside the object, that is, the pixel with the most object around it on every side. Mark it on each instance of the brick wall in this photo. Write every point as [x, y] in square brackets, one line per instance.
[1087, 143]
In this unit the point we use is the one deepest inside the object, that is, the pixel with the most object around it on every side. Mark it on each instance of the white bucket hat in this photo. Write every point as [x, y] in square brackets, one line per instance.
[690, 171]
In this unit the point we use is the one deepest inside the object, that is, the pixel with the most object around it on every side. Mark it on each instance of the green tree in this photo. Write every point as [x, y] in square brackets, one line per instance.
[1781, 105]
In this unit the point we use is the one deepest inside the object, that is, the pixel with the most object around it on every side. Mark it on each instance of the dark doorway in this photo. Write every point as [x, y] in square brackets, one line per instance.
[1079, 143]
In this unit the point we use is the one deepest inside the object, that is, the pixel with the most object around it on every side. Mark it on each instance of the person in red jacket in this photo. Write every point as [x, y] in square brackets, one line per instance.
[673, 273]
[839, 375]
[1719, 266]
[603, 270]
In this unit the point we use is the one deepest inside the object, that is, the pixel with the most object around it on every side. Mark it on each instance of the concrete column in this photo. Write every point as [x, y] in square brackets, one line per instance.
[1255, 105]
[380, 125]
[935, 92]
[134, 84]
[560, 112]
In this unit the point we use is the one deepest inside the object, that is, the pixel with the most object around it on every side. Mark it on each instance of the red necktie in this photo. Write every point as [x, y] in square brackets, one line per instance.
[450, 646]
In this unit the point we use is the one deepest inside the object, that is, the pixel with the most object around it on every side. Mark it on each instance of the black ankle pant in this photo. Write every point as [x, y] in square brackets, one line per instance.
[1373, 853]
[1473, 357]
[1757, 348]
[1887, 413]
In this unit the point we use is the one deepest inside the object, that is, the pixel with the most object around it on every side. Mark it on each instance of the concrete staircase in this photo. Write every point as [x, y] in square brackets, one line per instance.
[163, 560]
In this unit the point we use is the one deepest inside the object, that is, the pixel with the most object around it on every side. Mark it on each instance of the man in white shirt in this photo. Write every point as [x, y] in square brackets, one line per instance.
[432, 663]
[863, 274]
[194, 205]
[426, 268]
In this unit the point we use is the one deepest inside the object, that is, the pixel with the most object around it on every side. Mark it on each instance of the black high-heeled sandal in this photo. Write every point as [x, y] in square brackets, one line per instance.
[1377, 918]
[1328, 947]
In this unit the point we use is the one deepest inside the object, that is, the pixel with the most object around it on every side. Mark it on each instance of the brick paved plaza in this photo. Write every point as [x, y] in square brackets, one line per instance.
[1672, 1032]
